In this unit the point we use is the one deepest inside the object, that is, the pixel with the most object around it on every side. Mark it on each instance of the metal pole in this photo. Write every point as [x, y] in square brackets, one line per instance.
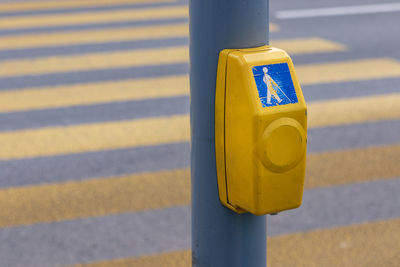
[220, 237]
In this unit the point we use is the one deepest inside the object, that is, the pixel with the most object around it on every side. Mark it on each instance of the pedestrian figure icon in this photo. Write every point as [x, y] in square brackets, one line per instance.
[274, 85]
[271, 85]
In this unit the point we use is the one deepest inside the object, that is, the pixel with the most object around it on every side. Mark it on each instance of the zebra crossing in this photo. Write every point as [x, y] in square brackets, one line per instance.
[94, 141]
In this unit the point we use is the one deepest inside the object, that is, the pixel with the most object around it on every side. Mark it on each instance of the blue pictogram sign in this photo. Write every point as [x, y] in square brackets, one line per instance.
[274, 85]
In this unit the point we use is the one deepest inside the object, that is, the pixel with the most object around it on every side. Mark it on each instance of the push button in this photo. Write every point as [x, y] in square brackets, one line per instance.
[283, 145]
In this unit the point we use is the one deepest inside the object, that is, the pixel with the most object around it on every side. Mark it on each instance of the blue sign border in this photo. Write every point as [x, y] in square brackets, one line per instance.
[276, 79]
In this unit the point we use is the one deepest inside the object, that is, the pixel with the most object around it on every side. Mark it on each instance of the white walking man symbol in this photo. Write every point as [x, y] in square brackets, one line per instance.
[272, 88]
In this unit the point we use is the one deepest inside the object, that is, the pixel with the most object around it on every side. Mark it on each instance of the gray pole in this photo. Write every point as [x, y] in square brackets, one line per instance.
[220, 237]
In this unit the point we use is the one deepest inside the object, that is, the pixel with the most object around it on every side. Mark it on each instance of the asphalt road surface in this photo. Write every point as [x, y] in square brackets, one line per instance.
[94, 133]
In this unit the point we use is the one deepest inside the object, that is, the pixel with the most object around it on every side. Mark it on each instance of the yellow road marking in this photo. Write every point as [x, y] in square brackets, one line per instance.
[349, 71]
[308, 45]
[93, 36]
[360, 245]
[102, 92]
[94, 61]
[42, 20]
[308, 74]
[170, 259]
[47, 5]
[93, 137]
[131, 34]
[18, 22]
[133, 58]
[356, 165]
[132, 133]
[93, 93]
[354, 110]
[55, 202]
[369, 244]
[137, 192]
[273, 27]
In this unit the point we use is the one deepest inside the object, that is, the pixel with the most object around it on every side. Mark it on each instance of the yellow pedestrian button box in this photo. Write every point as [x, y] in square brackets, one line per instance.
[260, 131]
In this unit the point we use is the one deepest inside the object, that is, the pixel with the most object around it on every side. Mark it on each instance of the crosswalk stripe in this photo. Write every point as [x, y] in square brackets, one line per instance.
[368, 244]
[71, 200]
[93, 36]
[94, 61]
[354, 110]
[142, 14]
[126, 34]
[145, 57]
[93, 93]
[133, 133]
[133, 33]
[102, 92]
[93, 137]
[308, 45]
[54, 5]
[356, 165]
[137, 192]
[352, 70]
[169, 259]
[308, 74]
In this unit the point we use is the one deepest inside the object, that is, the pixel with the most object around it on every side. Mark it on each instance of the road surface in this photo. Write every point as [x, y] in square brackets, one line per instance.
[94, 133]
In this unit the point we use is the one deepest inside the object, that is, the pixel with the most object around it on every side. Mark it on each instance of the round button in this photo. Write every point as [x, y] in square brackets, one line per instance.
[283, 145]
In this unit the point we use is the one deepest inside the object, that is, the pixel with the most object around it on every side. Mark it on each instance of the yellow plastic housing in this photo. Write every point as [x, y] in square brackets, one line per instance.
[260, 150]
